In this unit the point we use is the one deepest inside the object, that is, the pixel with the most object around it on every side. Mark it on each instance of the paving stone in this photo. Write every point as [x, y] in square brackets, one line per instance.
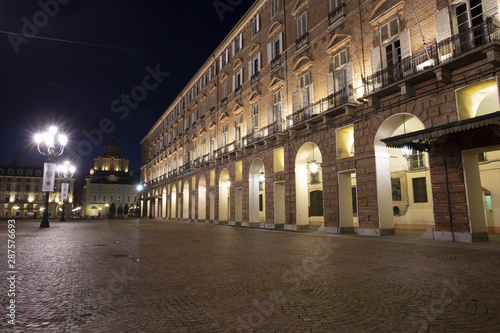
[166, 276]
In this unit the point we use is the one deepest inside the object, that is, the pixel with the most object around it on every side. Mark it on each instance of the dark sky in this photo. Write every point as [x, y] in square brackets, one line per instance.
[109, 46]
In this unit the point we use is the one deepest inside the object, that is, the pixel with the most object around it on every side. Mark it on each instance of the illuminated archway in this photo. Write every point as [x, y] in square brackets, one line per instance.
[309, 185]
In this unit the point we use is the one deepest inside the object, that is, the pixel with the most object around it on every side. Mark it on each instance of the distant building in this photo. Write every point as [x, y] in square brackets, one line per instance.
[109, 182]
[21, 191]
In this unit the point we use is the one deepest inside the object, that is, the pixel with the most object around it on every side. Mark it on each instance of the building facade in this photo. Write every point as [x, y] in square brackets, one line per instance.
[347, 116]
[109, 182]
[21, 193]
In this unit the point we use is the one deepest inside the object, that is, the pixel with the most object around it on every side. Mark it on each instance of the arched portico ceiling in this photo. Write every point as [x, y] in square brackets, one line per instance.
[385, 10]
[302, 65]
[275, 27]
[337, 42]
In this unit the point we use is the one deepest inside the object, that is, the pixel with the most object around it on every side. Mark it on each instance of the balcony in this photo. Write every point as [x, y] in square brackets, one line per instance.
[302, 41]
[255, 79]
[237, 92]
[276, 62]
[341, 102]
[225, 150]
[336, 14]
[438, 60]
[223, 103]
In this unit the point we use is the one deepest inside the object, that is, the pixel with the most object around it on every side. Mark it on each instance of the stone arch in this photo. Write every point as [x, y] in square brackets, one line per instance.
[256, 189]
[224, 195]
[308, 180]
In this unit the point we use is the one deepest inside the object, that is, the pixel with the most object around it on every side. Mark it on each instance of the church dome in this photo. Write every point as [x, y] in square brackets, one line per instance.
[111, 148]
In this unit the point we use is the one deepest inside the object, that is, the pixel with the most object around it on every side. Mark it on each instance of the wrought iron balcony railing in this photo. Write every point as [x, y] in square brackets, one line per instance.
[331, 102]
[443, 52]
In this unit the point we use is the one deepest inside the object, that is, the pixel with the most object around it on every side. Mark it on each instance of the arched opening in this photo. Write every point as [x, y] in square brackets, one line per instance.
[224, 190]
[164, 202]
[403, 182]
[309, 185]
[173, 205]
[257, 188]
[478, 99]
[185, 201]
[481, 165]
[202, 198]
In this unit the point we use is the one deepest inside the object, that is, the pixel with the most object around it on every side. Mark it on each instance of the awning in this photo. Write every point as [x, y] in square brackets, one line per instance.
[423, 140]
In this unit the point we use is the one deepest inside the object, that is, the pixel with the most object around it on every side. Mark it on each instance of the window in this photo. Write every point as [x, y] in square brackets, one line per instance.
[419, 190]
[336, 10]
[275, 48]
[212, 143]
[194, 116]
[254, 65]
[128, 198]
[104, 198]
[237, 44]
[224, 90]
[277, 110]
[224, 134]
[212, 72]
[255, 25]
[316, 203]
[302, 25]
[224, 59]
[203, 146]
[238, 79]
[341, 82]
[203, 108]
[111, 198]
[274, 7]
[213, 101]
[94, 198]
[417, 160]
[203, 81]
[304, 81]
[303, 98]
[255, 116]
[238, 135]
[118, 197]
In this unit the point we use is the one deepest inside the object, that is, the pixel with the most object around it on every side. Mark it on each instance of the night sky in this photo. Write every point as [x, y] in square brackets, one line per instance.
[80, 59]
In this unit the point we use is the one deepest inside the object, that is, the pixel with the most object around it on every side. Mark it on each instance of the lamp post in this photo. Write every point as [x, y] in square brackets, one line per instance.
[139, 188]
[50, 144]
[65, 171]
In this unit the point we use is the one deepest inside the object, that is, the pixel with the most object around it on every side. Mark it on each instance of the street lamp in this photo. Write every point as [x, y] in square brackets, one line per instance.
[50, 144]
[139, 189]
[107, 208]
[65, 171]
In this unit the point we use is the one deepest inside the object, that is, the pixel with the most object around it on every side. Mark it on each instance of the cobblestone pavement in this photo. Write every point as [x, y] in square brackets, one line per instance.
[164, 276]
